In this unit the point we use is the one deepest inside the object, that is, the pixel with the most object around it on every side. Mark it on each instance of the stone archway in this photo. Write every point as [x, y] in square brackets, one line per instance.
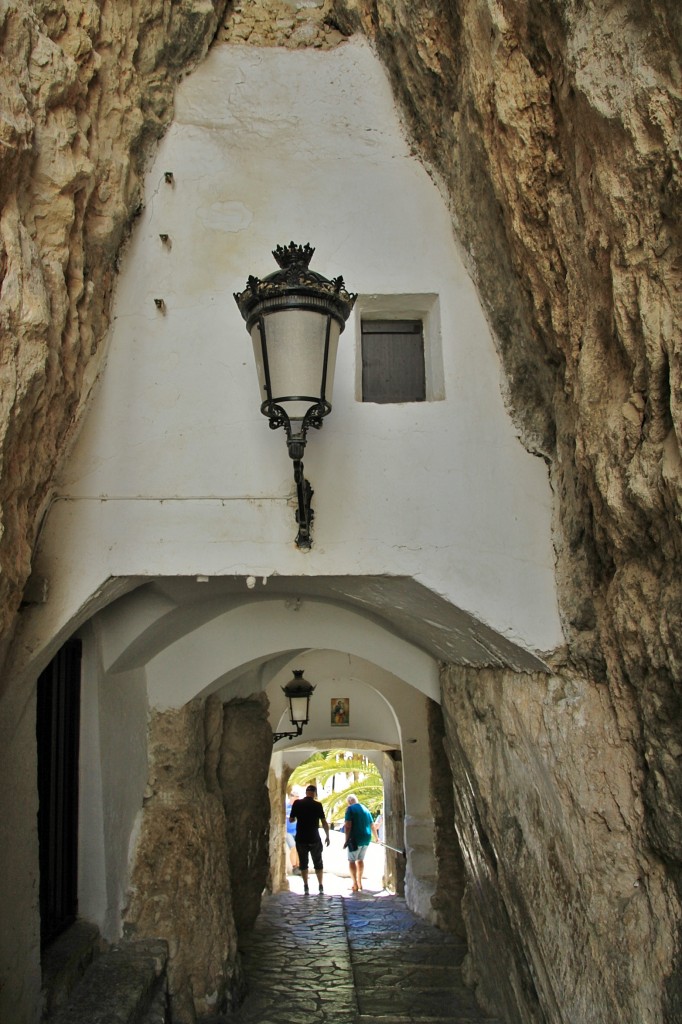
[389, 763]
[178, 838]
[189, 652]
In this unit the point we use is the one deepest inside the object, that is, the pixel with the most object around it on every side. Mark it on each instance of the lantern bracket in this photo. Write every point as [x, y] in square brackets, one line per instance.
[276, 736]
[296, 442]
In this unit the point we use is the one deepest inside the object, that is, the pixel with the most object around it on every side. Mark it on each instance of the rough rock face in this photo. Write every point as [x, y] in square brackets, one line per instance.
[180, 883]
[85, 88]
[561, 883]
[279, 860]
[394, 823]
[451, 876]
[292, 24]
[201, 861]
[555, 130]
[245, 752]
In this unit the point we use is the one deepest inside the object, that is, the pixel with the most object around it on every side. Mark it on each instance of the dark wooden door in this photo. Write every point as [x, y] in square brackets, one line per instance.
[57, 730]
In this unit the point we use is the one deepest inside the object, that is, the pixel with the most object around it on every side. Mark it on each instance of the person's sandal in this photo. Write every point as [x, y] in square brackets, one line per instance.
[306, 890]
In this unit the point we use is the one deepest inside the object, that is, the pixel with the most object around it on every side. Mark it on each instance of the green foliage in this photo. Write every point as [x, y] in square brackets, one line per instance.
[324, 767]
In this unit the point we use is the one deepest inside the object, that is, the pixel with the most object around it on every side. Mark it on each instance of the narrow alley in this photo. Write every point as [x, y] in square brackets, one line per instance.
[357, 959]
[351, 958]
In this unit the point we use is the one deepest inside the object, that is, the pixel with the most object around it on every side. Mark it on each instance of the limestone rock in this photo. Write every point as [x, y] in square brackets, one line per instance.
[246, 750]
[451, 875]
[180, 885]
[551, 823]
[554, 131]
[85, 90]
[293, 24]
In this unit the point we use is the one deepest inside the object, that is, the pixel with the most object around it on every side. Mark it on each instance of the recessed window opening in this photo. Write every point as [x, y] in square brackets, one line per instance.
[393, 361]
[399, 352]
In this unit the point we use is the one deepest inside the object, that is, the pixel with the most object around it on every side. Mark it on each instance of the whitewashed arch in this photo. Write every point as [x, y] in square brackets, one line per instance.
[200, 661]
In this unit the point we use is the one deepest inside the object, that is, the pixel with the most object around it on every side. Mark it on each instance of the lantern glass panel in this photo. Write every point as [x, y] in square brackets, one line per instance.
[299, 708]
[295, 346]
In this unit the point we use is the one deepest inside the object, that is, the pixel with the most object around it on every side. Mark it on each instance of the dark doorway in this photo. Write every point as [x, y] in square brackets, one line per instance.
[57, 731]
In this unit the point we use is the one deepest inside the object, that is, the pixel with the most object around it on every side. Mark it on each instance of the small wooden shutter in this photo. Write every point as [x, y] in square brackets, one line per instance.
[57, 732]
[393, 361]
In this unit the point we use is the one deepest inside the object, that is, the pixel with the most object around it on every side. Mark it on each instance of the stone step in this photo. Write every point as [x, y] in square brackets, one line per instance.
[364, 1018]
[65, 961]
[346, 961]
[418, 976]
[405, 970]
[125, 985]
[375, 952]
[439, 1004]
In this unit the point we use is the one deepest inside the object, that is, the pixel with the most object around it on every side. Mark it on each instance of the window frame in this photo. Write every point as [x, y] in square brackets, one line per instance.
[405, 306]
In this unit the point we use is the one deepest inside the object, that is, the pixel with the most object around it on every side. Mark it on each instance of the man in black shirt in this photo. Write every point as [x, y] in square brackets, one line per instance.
[308, 814]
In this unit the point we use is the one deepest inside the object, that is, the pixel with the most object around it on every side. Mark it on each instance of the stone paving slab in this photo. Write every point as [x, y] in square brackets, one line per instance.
[297, 964]
[421, 1019]
[441, 1003]
[120, 986]
[355, 959]
[407, 954]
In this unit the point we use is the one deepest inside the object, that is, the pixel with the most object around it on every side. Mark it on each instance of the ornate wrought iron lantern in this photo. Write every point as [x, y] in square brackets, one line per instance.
[298, 692]
[295, 317]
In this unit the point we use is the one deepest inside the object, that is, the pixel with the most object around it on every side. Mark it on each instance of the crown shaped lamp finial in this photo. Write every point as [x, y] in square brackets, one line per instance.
[293, 255]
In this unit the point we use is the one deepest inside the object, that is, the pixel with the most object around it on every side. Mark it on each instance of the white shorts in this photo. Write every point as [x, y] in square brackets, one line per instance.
[358, 854]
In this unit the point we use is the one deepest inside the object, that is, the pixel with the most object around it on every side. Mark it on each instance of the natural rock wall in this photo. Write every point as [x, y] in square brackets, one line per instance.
[245, 753]
[180, 882]
[85, 89]
[293, 24]
[561, 880]
[394, 822]
[451, 875]
[279, 860]
[201, 859]
[554, 128]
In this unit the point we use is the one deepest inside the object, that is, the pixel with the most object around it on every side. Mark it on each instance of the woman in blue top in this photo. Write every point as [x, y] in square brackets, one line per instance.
[289, 838]
[359, 828]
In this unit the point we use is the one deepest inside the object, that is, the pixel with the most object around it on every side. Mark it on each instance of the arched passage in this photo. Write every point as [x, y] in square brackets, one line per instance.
[163, 655]
[178, 690]
[339, 769]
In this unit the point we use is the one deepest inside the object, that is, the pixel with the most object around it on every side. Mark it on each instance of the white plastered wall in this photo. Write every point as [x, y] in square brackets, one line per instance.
[113, 776]
[176, 471]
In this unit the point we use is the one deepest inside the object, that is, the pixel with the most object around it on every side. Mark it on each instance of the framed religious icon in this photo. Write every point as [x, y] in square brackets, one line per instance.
[340, 710]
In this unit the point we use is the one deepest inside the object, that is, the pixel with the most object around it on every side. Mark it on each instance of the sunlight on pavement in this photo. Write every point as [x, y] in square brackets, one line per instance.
[337, 880]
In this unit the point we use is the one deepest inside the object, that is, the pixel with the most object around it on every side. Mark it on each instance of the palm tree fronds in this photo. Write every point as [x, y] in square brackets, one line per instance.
[360, 776]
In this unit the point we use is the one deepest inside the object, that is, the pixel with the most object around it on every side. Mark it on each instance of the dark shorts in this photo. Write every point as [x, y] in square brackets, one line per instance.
[315, 851]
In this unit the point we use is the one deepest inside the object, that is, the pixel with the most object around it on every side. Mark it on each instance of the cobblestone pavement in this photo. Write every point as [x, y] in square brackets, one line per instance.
[360, 958]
